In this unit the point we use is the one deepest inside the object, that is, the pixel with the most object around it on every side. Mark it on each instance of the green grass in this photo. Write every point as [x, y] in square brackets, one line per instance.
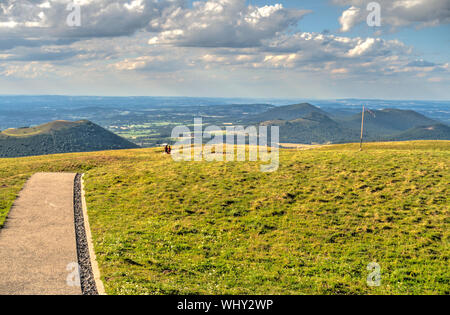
[15, 172]
[44, 128]
[162, 227]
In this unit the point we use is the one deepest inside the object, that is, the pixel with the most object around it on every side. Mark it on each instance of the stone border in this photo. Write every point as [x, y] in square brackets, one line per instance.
[82, 232]
[94, 264]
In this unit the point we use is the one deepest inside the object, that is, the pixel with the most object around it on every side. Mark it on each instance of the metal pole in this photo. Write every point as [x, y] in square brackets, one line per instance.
[362, 129]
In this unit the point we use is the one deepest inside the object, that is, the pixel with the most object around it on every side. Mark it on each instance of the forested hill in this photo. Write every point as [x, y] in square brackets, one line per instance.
[306, 123]
[59, 137]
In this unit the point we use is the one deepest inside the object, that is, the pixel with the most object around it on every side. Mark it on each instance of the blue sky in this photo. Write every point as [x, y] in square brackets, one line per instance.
[431, 43]
[227, 48]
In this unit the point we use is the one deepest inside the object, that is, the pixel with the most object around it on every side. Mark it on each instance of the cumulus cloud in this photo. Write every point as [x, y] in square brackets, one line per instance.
[396, 13]
[151, 64]
[224, 23]
[150, 39]
[212, 23]
[302, 51]
[30, 70]
[46, 19]
[349, 18]
[317, 47]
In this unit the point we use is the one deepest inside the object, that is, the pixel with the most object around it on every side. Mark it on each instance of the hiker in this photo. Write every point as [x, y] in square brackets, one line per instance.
[169, 149]
[166, 149]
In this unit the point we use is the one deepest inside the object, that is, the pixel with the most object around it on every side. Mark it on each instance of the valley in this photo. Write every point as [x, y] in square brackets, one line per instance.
[149, 121]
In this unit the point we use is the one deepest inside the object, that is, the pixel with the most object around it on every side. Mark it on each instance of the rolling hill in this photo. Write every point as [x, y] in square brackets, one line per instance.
[437, 131]
[59, 137]
[288, 112]
[314, 127]
[387, 121]
[305, 123]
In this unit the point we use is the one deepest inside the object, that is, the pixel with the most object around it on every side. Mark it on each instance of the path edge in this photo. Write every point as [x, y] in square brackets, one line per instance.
[93, 257]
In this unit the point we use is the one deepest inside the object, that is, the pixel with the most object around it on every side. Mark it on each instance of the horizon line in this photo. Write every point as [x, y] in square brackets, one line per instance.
[226, 97]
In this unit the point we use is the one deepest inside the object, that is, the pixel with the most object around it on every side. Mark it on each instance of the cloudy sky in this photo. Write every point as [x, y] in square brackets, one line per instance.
[226, 48]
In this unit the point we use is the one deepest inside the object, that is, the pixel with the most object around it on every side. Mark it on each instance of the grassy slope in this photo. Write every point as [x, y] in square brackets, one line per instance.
[44, 128]
[163, 227]
[14, 172]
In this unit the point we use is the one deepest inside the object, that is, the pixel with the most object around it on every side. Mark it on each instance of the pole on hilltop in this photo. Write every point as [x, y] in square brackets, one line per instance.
[362, 129]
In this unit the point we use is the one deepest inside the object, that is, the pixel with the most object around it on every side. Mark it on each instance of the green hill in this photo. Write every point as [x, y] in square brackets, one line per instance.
[314, 127]
[312, 227]
[433, 132]
[388, 121]
[288, 112]
[59, 137]
[305, 123]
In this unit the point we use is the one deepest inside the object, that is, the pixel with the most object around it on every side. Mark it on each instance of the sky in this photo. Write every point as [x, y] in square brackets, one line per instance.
[323, 49]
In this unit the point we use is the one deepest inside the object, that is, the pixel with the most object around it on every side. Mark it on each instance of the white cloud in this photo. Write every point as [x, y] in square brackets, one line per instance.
[362, 47]
[142, 40]
[8, 24]
[135, 5]
[100, 18]
[211, 23]
[349, 18]
[396, 13]
[224, 23]
[30, 70]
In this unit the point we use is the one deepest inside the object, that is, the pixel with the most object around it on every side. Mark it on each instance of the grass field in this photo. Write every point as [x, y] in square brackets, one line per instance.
[162, 227]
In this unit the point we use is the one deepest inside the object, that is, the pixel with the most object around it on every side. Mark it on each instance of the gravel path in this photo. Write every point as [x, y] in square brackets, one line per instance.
[38, 244]
[88, 286]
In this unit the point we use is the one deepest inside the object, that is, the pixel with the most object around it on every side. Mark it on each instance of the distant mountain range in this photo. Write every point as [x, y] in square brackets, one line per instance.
[305, 123]
[299, 123]
[289, 112]
[60, 137]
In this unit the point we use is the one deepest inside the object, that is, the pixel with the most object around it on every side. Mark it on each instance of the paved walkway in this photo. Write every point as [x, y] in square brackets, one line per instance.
[37, 243]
